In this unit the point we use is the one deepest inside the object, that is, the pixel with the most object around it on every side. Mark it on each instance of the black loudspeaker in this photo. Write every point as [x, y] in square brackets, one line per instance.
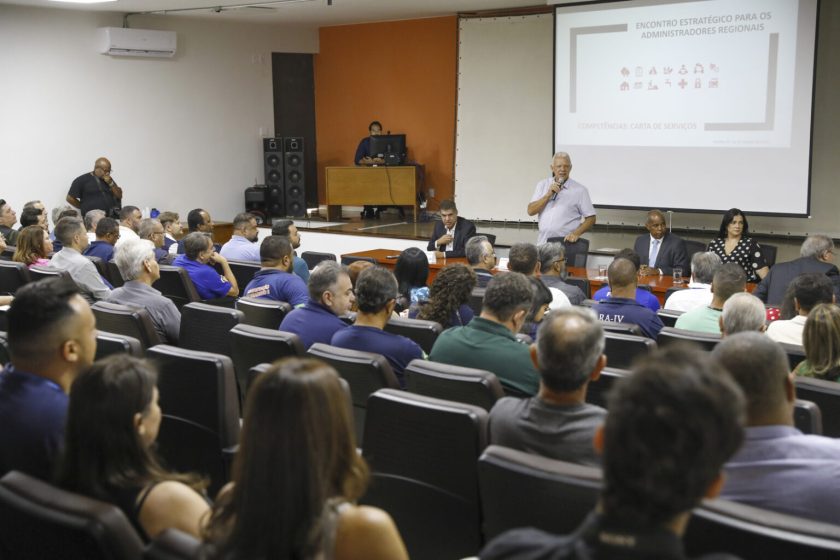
[273, 159]
[255, 202]
[295, 185]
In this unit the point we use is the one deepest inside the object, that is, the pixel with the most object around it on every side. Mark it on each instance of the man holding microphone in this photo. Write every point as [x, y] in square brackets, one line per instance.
[563, 205]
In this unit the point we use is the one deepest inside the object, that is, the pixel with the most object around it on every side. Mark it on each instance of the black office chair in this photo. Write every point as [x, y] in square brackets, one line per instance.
[101, 267]
[490, 237]
[115, 275]
[8, 253]
[795, 354]
[176, 284]
[5, 355]
[453, 383]
[252, 345]
[112, 343]
[244, 272]
[262, 312]
[669, 316]
[477, 300]
[826, 395]
[312, 258]
[671, 290]
[41, 272]
[598, 391]
[622, 349]
[424, 333]
[626, 328]
[125, 320]
[42, 521]
[669, 335]
[692, 247]
[207, 327]
[807, 417]
[769, 252]
[582, 283]
[423, 456]
[577, 253]
[13, 275]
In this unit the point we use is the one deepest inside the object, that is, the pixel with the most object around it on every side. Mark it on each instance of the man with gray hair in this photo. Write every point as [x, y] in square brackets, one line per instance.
[482, 259]
[562, 204]
[489, 341]
[524, 258]
[139, 268]
[778, 467]
[557, 423]
[91, 220]
[73, 237]
[728, 280]
[552, 266]
[330, 297]
[743, 312]
[704, 265]
[815, 255]
[152, 230]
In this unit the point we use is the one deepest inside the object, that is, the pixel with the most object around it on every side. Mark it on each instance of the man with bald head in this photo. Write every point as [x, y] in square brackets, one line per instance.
[660, 250]
[621, 306]
[96, 189]
[562, 204]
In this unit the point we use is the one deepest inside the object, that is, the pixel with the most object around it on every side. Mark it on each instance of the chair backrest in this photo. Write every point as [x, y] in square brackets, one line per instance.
[207, 327]
[477, 300]
[113, 343]
[43, 521]
[523, 490]
[589, 303]
[599, 390]
[312, 258]
[670, 335]
[101, 267]
[259, 369]
[669, 316]
[626, 328]
[364, 371]
[769, 252]
[5, 355]
[262, 312]
[200, 411]
[826, 395]
[622, 349]
[749, 532]
[423, 455]
[347, 259]
[243, 272]
[424, 333]
[173, 544]
[13, 275]
[577, 253]
[176, 284]
[807, 417]
[490, 237]
[454, 383]
[125, 320]
[252, 345]
[8, 253]
[795, 354]
[692, 247]
[582, 283]
[40, 272]
[115, 275]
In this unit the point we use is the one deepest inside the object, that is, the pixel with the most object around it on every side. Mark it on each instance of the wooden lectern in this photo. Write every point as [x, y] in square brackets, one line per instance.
[374, 186]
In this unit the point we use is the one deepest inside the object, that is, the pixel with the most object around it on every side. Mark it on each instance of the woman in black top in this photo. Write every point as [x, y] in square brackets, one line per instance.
[734, 244]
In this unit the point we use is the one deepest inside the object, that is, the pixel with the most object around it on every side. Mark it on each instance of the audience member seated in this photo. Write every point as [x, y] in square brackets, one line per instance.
[525, 259]
[778, 467]
[451, 233]
[482, 259]
[243, 243]
[704, 265]
[671, 427]
[63, 212]
[330, 297]
[809, 289]
[32, 216]
[8, 218]
[488, 342]
[553, 268]
[112, 424]
[376, 296]
[33, 247]
[660, 251]
[540, 306]
[557, 423]
[728, 280]
[815, 255]
[152, 230]
[734, 245]
[743, 312]
[412, 273]
[130, 217]
[275, 279]
[621, 306]
[449, 297]
[288, 229]
[107, 235]
[293, 494]
[821, 340]
[91, 219]
[72, 235]
[43, 211]
[52, 337]
[139, 269]
[642, 296]
[198, 220]
[171, 223]
[196, 260]
[354, 269]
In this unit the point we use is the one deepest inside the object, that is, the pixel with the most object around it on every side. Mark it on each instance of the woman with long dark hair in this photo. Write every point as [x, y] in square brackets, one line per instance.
[449, 297]
[112, 422]
[412, 273]
[297, 475]
[734, 244]
[33, 246]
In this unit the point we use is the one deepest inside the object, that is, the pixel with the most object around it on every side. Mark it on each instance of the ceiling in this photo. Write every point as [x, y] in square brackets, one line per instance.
[306, 12]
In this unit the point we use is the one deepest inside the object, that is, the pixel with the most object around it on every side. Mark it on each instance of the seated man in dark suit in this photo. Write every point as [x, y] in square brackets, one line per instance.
[815, 255]
[660, 251]
[451, 232]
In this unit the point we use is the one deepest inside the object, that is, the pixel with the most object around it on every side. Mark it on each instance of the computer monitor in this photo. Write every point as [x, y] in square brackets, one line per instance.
[390, 147]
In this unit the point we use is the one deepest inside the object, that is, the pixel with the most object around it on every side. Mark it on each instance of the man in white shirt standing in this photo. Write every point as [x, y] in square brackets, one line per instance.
[808, 290]
[699, 291]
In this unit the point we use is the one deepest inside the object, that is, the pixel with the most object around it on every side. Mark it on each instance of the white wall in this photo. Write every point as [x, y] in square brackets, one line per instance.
[180, 133]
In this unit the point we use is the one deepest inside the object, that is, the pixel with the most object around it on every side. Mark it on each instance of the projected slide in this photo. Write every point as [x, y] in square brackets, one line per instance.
[707, 103]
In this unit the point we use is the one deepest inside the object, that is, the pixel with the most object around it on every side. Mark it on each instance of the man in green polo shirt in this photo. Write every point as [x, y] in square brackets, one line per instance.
[727, 281]
[488, 342]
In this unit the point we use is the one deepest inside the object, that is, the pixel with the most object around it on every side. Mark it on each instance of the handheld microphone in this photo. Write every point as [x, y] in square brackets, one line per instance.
[563, 182]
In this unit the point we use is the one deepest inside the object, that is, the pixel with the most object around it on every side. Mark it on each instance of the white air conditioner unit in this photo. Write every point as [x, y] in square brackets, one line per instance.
[120, 41]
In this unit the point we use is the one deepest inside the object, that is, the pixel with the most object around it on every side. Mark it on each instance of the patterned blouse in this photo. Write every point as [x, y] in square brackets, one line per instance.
[747, 253]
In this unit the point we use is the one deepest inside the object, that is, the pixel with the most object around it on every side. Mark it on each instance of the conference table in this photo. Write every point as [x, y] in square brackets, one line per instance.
[658, 285]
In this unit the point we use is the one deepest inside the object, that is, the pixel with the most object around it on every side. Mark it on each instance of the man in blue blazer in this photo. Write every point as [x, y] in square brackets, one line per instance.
[451, 233]
[666, 249]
